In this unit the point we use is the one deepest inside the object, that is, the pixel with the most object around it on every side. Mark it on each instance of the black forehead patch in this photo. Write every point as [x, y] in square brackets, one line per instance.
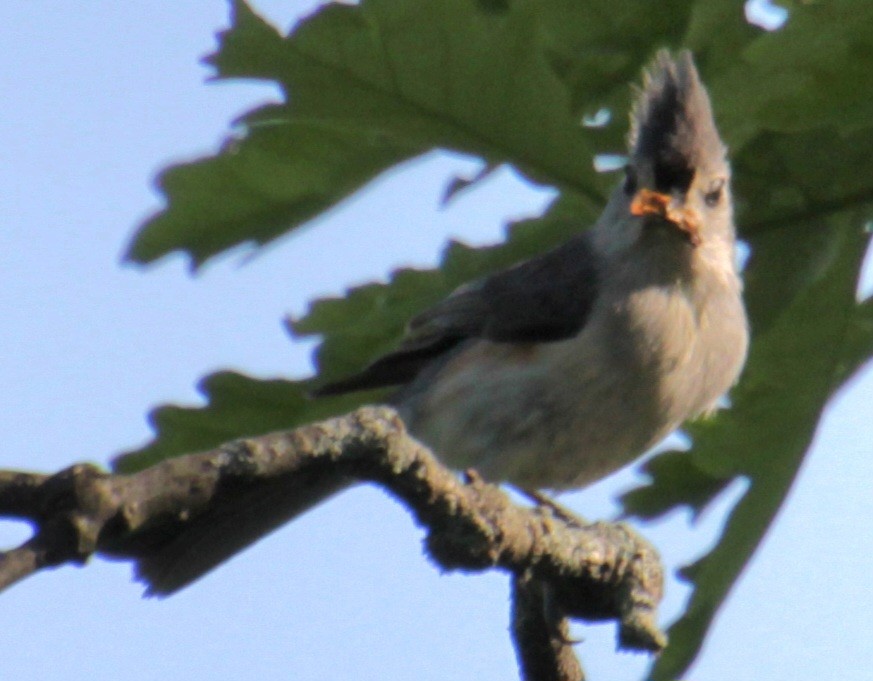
[666, 137]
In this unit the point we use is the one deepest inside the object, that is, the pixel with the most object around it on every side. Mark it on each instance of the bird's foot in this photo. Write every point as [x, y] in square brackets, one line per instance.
[558, 510]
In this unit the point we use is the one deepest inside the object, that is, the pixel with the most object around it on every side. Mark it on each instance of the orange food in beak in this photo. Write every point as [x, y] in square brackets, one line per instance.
[648, 202]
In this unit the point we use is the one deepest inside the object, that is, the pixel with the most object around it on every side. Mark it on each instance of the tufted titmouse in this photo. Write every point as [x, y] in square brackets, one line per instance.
[562, 369]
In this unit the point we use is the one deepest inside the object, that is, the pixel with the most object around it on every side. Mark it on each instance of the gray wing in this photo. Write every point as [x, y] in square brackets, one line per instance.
[545, 299]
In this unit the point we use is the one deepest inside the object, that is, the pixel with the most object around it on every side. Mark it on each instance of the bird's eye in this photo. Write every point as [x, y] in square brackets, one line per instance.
[630, 180]
[713, 195]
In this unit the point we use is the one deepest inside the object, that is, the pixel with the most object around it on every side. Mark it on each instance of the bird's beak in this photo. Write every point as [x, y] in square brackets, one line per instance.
[648, 202]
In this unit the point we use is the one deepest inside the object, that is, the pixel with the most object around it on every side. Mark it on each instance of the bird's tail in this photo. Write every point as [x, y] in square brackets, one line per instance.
[177, 558]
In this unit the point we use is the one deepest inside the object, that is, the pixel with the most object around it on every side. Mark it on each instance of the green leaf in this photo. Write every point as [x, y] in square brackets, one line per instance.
[280, 174]
[598, 47]
[857, 346]
[824, 49]
[688, 485]
[368, 86]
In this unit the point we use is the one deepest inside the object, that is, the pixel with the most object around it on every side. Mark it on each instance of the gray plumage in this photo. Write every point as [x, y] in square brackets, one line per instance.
[564, 368]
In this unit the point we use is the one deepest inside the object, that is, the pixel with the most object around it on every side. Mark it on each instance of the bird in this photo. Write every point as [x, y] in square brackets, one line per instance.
[566, 367]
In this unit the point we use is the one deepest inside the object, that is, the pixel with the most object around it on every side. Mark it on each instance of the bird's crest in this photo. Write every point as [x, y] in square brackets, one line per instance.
[672, 123]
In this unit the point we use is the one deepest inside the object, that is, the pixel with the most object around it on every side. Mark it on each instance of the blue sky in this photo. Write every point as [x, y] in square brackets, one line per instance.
[96, 98]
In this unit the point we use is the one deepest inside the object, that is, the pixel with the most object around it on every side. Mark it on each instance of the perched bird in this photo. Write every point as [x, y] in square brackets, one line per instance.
[562, 369]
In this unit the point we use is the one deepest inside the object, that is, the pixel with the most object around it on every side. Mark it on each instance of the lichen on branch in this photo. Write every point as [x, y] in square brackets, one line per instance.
[593, 572]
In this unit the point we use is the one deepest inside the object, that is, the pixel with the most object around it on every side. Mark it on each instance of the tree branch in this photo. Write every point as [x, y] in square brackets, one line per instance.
[541, 634]
[592, 572]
